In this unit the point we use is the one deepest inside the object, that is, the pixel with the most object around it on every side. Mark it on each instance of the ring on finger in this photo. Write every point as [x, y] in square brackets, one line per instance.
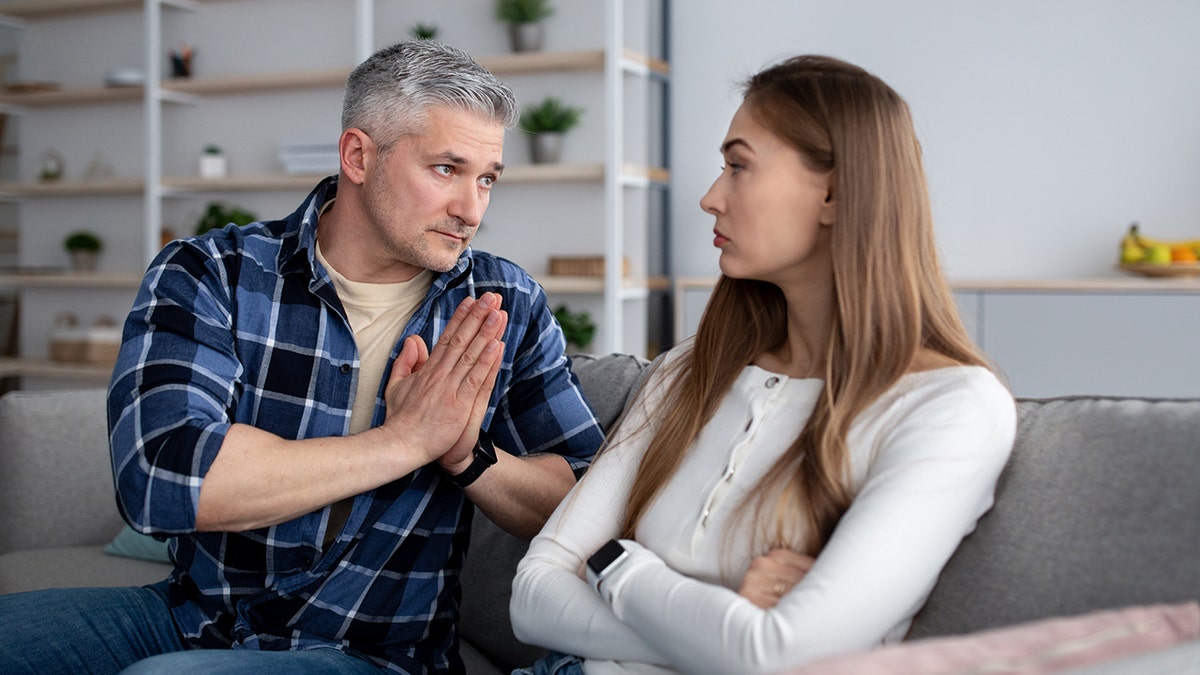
[778, 589]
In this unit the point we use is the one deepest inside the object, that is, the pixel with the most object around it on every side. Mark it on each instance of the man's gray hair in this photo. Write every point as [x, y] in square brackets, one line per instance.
[390, 94]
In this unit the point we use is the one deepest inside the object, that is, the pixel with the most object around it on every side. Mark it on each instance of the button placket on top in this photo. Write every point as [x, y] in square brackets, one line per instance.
[761, 398]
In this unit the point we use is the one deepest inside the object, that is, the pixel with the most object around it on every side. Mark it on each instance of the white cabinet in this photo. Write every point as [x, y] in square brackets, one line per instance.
[258, 81]
[1119, 336]
[1112, 338]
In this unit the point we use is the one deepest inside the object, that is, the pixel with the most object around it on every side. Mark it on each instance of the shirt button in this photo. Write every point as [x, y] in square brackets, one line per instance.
[772, 382]
[345, 368]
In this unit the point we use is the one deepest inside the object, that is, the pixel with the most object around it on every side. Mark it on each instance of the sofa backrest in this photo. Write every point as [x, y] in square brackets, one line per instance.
[56, 485]
[1099, 507]
[608, 382]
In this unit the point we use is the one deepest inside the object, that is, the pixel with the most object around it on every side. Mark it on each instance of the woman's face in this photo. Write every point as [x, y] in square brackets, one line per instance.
[771, 209]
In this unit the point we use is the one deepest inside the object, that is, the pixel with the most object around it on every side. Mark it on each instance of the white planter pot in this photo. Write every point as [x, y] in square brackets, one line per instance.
[83, 261]
[546, 147]
[212, 166]
[525, 37]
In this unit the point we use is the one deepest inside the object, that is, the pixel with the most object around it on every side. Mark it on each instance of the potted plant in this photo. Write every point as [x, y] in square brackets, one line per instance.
[524, 19]
[212, 162]
[577, 327]
[83, 247]
[218, 214]
[424, 31]
[546, 123]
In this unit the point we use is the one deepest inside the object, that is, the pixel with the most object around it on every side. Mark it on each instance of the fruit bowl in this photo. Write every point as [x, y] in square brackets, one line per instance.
[1175, 269]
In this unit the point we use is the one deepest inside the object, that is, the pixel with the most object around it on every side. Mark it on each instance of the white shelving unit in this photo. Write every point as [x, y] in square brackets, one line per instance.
[163, 142]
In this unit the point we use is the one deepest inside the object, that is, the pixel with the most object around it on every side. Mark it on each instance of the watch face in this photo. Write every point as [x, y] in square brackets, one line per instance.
[485, 448]
[607, 554]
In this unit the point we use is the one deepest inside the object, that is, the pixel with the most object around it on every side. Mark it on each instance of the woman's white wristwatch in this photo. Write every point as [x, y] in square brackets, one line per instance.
[602, 563]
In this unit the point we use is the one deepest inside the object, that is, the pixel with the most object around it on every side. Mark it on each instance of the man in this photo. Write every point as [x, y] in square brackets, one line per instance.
[299, 403]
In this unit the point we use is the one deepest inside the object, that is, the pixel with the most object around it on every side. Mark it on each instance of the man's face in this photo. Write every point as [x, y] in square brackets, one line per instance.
[426, 195]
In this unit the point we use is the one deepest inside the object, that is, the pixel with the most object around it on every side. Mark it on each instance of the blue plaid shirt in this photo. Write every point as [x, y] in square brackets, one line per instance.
[241, 325]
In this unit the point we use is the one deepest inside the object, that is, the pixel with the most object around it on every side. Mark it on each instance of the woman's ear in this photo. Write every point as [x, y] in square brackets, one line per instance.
[829, 206]
[356, 151]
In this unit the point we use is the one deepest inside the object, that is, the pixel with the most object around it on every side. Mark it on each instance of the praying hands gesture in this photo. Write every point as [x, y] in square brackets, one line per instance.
[437, 400]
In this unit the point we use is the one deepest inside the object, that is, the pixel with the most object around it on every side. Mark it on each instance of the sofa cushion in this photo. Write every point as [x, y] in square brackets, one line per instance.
[1184, 658]
[55, 475]
[1043, 646]
[607, 382]
[1096, 509]
[74, 566]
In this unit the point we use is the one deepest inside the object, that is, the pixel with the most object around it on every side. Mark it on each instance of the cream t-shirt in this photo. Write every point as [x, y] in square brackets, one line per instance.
[378, 314]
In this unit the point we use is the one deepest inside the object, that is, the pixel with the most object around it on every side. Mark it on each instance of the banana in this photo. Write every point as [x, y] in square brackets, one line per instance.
[1136, 237]
[1132, 251]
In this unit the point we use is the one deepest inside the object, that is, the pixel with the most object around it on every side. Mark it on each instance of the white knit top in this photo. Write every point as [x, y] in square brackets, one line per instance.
[924, 462]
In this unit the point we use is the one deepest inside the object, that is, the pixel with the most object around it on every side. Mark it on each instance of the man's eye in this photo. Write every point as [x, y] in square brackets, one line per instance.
[487, 181]
[444, 169]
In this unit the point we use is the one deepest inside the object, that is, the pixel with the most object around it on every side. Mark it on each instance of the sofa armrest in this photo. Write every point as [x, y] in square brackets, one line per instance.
[56, 485]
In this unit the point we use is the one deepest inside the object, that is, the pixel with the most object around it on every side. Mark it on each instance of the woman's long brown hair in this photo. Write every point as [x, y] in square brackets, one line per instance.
[890, 299]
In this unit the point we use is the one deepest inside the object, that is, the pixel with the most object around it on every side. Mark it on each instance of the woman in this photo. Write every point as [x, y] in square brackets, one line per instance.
[791, 481]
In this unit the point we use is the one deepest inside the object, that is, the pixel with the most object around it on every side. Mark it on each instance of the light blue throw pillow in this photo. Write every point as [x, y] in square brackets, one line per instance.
[130, 543]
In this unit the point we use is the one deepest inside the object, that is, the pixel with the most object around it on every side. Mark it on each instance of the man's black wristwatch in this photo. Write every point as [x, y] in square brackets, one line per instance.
[485, 456]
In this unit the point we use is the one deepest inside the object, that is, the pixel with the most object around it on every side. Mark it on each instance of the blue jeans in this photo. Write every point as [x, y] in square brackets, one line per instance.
[553, 664]
[110, 630]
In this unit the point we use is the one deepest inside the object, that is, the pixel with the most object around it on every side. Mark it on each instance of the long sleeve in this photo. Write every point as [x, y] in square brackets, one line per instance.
[936, 454]
[552, 605]
[172, 386]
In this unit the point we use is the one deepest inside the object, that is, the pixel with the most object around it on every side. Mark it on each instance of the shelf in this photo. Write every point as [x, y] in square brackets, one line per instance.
[18, 367]
[47, 8]
[633, 288]
[257, 83]
[73, 96]
[239, 183]
[612, 65]
[541, 62]
[558, 173]
[119, 186]
[67, 279]
[518, 174]
[503, 64]
[1095, 285]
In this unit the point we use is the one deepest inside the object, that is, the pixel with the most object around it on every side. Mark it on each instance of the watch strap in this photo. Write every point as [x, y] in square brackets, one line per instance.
[485, 456]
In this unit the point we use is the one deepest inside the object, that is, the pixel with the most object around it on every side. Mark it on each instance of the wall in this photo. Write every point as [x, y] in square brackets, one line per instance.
[1047, 126]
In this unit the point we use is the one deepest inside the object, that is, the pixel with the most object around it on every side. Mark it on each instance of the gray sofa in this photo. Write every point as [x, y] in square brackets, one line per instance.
[1098, 508]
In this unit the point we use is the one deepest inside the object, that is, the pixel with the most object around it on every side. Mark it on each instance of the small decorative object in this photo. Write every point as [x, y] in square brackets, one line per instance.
[98, 343]
[546, 123]
[98, 169]
[577, 327]
[212, 162]
[83, 247]
[52, 166]
[124, 77]
[524, 19]
[217, 215]
[582, 266]
[181, 61]
[424, 31]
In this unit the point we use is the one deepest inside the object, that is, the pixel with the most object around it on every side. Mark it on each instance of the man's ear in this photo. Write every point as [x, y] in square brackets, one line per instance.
[356, 151]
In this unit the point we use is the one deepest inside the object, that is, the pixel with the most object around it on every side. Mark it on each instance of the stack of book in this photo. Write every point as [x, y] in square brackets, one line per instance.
[309, 158]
